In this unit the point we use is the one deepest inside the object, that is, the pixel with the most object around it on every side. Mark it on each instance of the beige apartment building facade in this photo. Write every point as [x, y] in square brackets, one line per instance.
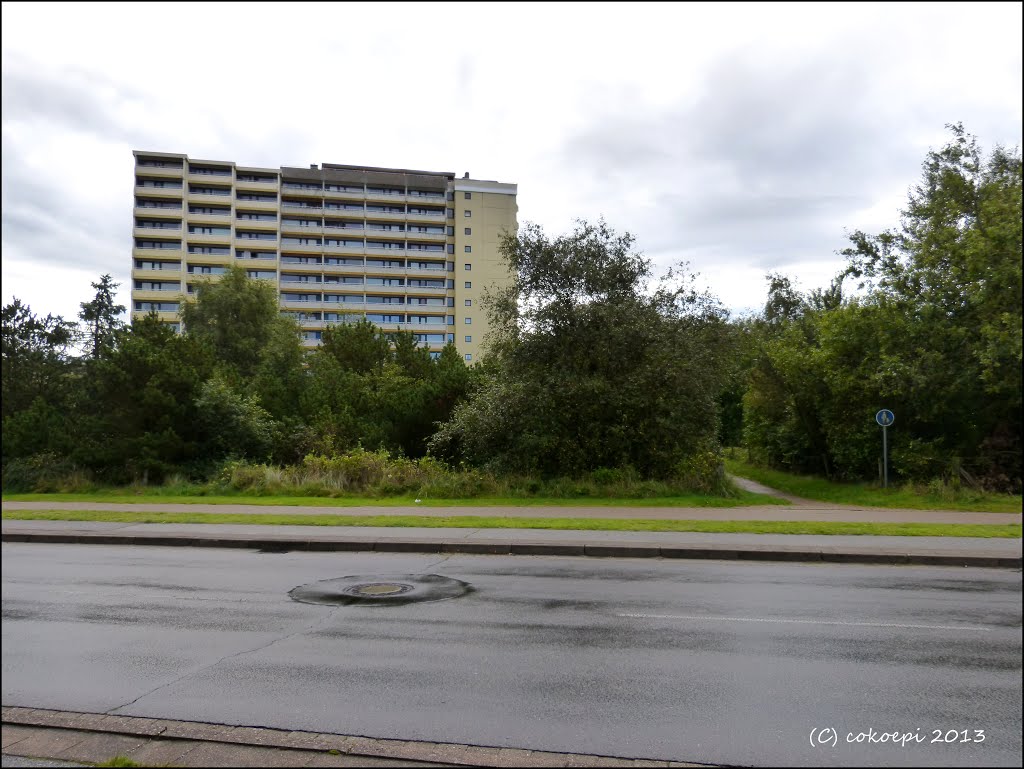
[407, 250]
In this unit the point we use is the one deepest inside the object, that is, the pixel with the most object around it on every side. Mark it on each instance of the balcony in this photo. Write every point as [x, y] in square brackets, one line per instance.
[376, 231]
[199, 178]
[159, 192]
[254, 244]
[221, 218]
[267, 186]
[386, 216]
[377, 288]
[219, 260]
[420, 327]
[386, 197]
[344, 308]
[437, 216]
[206, 239]
[144, 212]
[430, 290]
[256, 264]
[291, 190]
[345, 194]
[433, 237]
[156, 232]
[152, 254]
[164, 316]
[156, 295]
[430, 272]
[159, 172]
[345, 249]
[257, 205]
[300, 286]
[308, 304]
[301, 267]
[301, 229]
[345, 269]
[426, 198]
[164, 274]
[263, 225]
[292, 207]
[207, 198]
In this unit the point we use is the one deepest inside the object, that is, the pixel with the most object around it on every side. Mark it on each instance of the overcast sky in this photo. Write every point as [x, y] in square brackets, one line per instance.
[741, 138]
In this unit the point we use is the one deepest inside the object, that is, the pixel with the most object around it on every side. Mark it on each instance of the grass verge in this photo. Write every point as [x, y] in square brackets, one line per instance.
[121, 496]
[906, 497]
[485, 522]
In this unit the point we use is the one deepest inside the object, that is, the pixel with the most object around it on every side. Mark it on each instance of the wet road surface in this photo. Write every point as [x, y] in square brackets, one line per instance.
[718, 662]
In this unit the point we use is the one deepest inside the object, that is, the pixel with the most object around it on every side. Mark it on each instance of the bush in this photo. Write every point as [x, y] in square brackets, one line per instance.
[45, 473]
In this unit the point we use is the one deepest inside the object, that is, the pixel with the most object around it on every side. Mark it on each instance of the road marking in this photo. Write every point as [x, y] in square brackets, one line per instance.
[804, 621]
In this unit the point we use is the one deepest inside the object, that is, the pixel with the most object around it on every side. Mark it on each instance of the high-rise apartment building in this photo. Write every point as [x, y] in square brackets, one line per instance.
[409, 250]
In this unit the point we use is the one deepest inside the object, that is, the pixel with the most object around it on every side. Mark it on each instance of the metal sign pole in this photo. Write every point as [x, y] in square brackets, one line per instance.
[885, 457]
[884, 418]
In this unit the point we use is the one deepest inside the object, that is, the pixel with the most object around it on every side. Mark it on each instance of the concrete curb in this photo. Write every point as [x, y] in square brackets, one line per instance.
[56, 731]
[500, 547]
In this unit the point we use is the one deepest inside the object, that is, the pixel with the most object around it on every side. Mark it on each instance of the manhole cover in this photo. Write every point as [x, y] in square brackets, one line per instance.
[374, 589]
[381, 590]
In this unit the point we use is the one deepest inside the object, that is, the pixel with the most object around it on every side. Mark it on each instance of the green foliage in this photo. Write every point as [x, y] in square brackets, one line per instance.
[141, 420]
[232, 424]
[45, 473]
[934, 335]
[587, 368]
[236, 317]
[34, 353]
[102, 317]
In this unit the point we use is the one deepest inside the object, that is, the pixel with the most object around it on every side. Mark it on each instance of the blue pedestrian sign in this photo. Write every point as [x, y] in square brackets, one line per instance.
[885, 417]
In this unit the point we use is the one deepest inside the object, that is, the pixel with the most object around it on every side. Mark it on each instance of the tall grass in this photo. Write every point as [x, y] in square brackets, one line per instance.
[377, 474]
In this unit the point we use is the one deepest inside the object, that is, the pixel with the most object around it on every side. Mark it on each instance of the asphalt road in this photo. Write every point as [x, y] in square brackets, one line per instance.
[718, 662]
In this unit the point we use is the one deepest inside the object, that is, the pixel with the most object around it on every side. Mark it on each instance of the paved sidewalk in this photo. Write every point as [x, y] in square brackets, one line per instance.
[806, 511]
[994, 552]
[97, 737]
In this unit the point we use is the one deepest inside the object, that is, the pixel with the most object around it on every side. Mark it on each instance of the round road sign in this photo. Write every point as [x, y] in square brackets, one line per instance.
[885, 417]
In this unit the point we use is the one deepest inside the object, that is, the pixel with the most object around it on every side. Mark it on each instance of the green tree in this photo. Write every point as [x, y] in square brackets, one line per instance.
[934, 335]
[237, 317]
[358, 347]
[35, 356]
[138, 417]
[590, 365]
[101, 317]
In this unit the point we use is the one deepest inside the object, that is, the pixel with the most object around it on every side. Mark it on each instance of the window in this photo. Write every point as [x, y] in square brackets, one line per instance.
[467, 213]
[468, 267]
[469, 338]
[469, 230]
[469, 321]
[469, 284]
[451, 230]
[450, 301]
[469, 303]
[158, 306]
[450, 196]
[469, 356]
[450, 213]
[451, 248]
[468, 249]
[467, 195]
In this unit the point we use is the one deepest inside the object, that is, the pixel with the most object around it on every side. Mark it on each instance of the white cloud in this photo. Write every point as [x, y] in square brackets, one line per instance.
[742, 137]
